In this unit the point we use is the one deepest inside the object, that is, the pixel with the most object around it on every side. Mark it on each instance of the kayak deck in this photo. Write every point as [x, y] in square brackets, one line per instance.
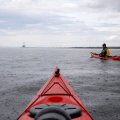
[56, 91]
[105, 58]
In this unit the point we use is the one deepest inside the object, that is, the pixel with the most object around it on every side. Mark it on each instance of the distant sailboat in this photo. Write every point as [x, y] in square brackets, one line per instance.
[23, 45]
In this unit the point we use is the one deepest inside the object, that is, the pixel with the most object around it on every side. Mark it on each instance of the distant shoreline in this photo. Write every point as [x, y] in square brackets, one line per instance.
[94, 47]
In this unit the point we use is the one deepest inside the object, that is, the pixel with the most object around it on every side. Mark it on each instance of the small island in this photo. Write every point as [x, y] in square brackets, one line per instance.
[23, 46]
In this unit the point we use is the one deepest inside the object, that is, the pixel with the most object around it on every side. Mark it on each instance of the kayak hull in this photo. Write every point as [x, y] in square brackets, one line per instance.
[94, 55]
[56, 91]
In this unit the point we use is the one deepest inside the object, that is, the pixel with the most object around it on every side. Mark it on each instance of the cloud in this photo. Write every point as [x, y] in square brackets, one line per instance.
[47, 23]
[103, 5]
[80, 20]
[113, 37]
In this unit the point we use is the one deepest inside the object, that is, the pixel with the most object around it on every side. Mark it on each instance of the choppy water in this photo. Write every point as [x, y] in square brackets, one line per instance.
[23, 71]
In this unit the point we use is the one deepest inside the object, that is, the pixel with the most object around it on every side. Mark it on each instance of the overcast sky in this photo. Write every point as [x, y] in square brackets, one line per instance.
[59, 23]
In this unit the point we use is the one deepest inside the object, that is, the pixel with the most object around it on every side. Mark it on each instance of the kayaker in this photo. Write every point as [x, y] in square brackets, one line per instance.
[105, 51]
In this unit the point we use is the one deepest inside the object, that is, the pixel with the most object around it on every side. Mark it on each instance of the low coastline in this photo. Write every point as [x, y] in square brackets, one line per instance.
[94, 47]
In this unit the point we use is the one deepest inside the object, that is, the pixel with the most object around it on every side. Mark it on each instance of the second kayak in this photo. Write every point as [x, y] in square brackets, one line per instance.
[56, 100]
[105, 58]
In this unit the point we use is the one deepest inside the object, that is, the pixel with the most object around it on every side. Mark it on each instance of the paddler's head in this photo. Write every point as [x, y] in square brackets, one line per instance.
[104, 45]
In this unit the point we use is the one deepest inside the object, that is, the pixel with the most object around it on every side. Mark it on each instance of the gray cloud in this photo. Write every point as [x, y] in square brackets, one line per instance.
[79, 19]
[15, 20]
[104, 5]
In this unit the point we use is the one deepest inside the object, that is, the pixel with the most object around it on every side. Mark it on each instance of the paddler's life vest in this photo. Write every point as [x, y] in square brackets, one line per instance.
[107, 52]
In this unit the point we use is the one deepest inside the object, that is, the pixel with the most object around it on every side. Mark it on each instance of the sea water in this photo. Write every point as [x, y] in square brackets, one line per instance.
[24, 70]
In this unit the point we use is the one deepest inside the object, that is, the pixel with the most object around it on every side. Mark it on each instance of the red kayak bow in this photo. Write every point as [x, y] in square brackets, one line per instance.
[56, 100]
[105, 58]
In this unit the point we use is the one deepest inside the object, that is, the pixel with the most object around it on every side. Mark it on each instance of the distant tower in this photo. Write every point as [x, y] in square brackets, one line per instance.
[23, 45]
